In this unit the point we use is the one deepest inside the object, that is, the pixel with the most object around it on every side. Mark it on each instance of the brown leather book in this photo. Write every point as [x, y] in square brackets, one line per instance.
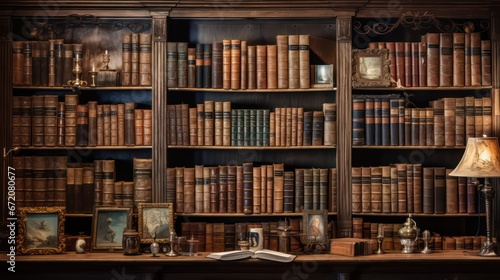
[408, 64]
[300, 127]
[458, 59]
[333, 199]
[231, 189]
[323, 188]
[478, 117]
[82, 125]
[472, 194]
[37, 120]
[100, 125]
[129, 124]
[269, 188]
[226, 123]
[409, 188]
[252, 67]
[256, 175]
[282, 60]
[235, 54]
[70, 103]
[244, 64]
[189, 190]
[400, 63]
[293, 62]
[108, 182]
[28, 63]
[172, 71]
[126, 74]
[214, 189]
[288, 191]
[475, 60]
[121, 123]
[487, 116]
[469, 117]
[294, 126]
[209, 232]
[317, 128]
[128, 194]
[429, 126]
[330, 124]
[207, 65]
[366, 190]
[451, 193]
[446, 59]
[36, 71]
[428, 190]
[439, 122]
[18, 165]
[304, 63]
[58, 54]
[25, 130]
[139, 127]
[357, 227]
[415, 64]
[278, 185]
[70, 190]
[52, 61]
[200, 112]
[299, 190]
[206, 189]
[44, 63]
[402, 187]
[67, 63]
[88, 189]
[422, 62]
[433, 59]
[179, 189]
[288, 126]
[223, 185]
[422, 126]
[50, 120]
[247, 188]
[142, 181]
[308, 189]
[226, 64]
[113, 111]
[261, 66]
[376, 189]
[193, 127]
[467, 60]
[98, 182]
[134, 60]
[209, 116]
[217, 64]
[417, 188]
[170, 188]
[218, 241]
[449, 121]
[17, 63]
[191, 70]
[60, 124]
[460, 139]
[462, 194]
[198, 189]
[386, 189]
[486, 62]
[218, 123]
[272, 74]
[145, 59]
[92, 124]
[440, 190]
[239, 189]
[78, 199]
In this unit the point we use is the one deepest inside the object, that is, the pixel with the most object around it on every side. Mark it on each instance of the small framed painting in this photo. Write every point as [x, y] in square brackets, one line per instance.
[108, 225]
[156, 220]
[370, 68]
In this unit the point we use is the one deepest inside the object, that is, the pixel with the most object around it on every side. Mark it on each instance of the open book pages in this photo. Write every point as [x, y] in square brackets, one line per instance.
[260, 254]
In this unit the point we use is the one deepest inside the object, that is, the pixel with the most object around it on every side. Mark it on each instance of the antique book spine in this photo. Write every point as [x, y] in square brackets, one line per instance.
[50, 120]
[52, 62]
[172, 64]
[460, 139]
[82, 125]
[206, 189]
[214, 189]
[449, 121]
[172, 125]
[92, 124]
[179, 190]
[226, 64]
[332, 186]
[272, 74]
[394, 189]
[304, 63]
[462, 194]
[70, 190]
[478, 117]
[422, 65]
[229, 237]
[207, 65]
[58, 54]
[299, 190]
[401, 121]
[142, 181]
[475, 59]
[288, 180]
[469, 117]
[200, 112]
[451, 193]
[182, 64]
[317, 128]
[377, 109]
[78, 199]
[402, 188]
[226, 123]
[282, 60]
[422, 125]
[357, 227]
[282, 128]
[392, 59]
[471, 196]
[248, 195]
[209, 232]
[323, 188]
[218, 123]
[429, 126]
[487, 116]
[36, 71]
[394, 121]
[467, 60]
[100, 125]
[269, 188]
[193, 127]
[417, 188]
[261, 66]
[67, 63]
[400, 63]
[308, 189]
[293, 62]
[17, 63]
[330, 124]
[366, 190]
[189, 190]
[217, 64]
[44, 63]
[198, 65]
[185, 124]
[445, 59]
[37, 121]
[88, 189]
[235, 58]
[300, 125]
[108, 182]
[364, 121]
[252, 67]
[25, 121]
[128, 194]
[70, 104]
[209, 117]
[409, 188]
[218, 237]
[49, 181]
[231, 189]
[433, 59]
[120, 110]
[145, 48]
[386, 189]
[288, 126]
[428, 190]
[439, 122]
[244, 64]
[294, 126]
[28, 63]
[308, 128]
[414, 64]
[118, 193]
[113, 111]
[458, 59]
[223, 186]
[198, 189]
[278, 185]
[126, 74]
[376, 189]
[98, 182]
[129, 124]
[170, 185]
[191, 71]
[439, 190]
[408, 128]
[408, 63]
[240, 192]
[256, 175]
[134, 60]
[386, 128]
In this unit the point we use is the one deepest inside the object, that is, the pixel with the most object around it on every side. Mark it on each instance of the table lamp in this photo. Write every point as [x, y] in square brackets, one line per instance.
[481, 159]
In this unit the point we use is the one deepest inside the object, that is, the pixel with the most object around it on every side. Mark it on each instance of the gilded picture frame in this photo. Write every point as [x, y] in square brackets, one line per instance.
[41, 230]
[370, 68]
[315, 222]
[108, 225]
[322, 76]
[155, 220]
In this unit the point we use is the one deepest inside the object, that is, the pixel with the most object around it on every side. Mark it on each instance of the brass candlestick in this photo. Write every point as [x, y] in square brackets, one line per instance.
[380, 239]
[92, 74]
[77, 67]
[105, 60]
[172, 252]
[426, 237]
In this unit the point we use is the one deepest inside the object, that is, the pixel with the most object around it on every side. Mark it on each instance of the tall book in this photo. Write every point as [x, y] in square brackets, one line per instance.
[458, 59]
[330, 124]
[88, 189]
[256, 175]
[365, 189]
[440, 190]
[59, 55]
[486, 62]
[293, 62]
[67, 63]
[428, 190]
[17, 63]
[415, 64]
[323, 188]
[209, 116]
[134, 60]
[288, 191]
[299, 190]
[28, 63]
[37, 126]
[170, 187]
[207, 65]
[198, 65]
[52, 61]
[394, 121]
[408, 63]
[487, 116]
[172, 65]
[98, 182]
[252, 67]
[217, 64]
[108, 181]
[308, 189]
[304, 64]
[400, 63]
[191, 76]
[247, 187]
[128, 194]
[451, 193]
[422, 65]
[244, 65]
[198, 188]
[142, 181]
[231, 189]
[70, 190]
[402, 187]
[478, 117]
[235, 64]
[282, 60]
[433, 60]
[223, 188]
[446, 59]
[439, 123]
[113, 117]
[272, 76]
[333, 191]
[70, 103]
[126, 74]
[145, 49]
[386, 189]
[50, 120]
[460, 139]
[226, 64]
[358, 122]
[261, 66]
[376, 189]
[391, 47]
[317, 128]
[179, 190]
[36, 71]
[226, 123]
[78, 198]
[218, 123]
[475, 59]
[82, 125]
[189, 190]
[278, 184]
[240, 190]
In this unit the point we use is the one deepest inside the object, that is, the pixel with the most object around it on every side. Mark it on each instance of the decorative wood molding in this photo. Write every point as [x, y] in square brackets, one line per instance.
[344, 29]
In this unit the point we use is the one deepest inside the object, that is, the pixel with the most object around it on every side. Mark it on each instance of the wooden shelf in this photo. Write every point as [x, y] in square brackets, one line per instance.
[233, 215]
[409, 147]
[418, 215]
[79, 215]
[254, 90]
[424, 88]
[252, 147]
[88, 148]
[85, 88]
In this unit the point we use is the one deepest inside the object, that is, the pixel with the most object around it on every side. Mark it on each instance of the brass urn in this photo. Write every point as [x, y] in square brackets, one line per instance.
[409, 235]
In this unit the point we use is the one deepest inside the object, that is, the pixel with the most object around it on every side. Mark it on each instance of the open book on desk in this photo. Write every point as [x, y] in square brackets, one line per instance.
[260, 254]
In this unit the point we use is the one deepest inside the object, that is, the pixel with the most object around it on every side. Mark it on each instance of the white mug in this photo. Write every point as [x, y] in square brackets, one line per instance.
[256, 239]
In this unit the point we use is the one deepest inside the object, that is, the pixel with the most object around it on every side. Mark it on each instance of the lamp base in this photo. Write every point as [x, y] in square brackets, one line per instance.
[488, 250]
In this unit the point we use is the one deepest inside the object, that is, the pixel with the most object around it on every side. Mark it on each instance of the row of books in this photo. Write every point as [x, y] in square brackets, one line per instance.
[136, 59]
[217, 124]
[233, 64]
[446, 122]
[42, 121]
[251, 189]
[52, 181]
[440, 59]
[411, 188]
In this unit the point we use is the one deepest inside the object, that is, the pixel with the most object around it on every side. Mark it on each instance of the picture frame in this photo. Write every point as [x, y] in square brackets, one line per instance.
[155, 218]
[108, 225]
[315, 222]
[370, 68]
[322, 76]
[41, 230]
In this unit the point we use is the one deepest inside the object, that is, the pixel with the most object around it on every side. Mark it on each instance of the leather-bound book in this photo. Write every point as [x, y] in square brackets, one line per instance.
[70, 190]
[308, 189]
[439, 122]
[134, 60]
[408, 128]
[126, 74]
[445, 59]
[278, 184]
[16, 121]
[408, 64]
[417, 188]
[323, 188]
[400, 63]
[288, 126]
[401, 122]
[472, 194]
[299, 190]
[330, 124]
[376, 189]
[18, 165]
[317, 128]
[67, 63]
[460, 139]
[422, 125]
[98, 183]
[458, 59]
[218, 123]
[193, 127]
[414, 64]
[36, 71]
[239, 189]
[113, 111]
[300, 125]
[282, 128]
[189, 190]
[214, 189]
[377, 109]
[288, 180]
[182, 64]
[263, 189]
[368, 119]
[206, 189]
[200, 112]
[451, 193]
[304, 62]
[282, 60]
[218, 241]
[244, 65]
[59, 57]
[439, 190]
[433, 59]
[486, 62]
[25, 130]
[70, 103]
[37, 120]
[235, 64]
[129, 124]
[366, 189]
[277, 127]
[92, 123]
[487, 116]
[449, 121]
[394, 189]
[52, 62]
[308, 128]
[179, 190]
[409, 188]
[17, 63]
[478, 117]
[170, 188]
[226, 123]
[428, 190]
[28, 63]
[231, 189]
[261, 66]
[269, 188]
[191, 71]
[44, 63]
[469, 117]
[293, 62]
[118, 193]
[207, 65]
[49, 181]
[217, 64]
[475, 59]
[82, 125]
[402, 187]
[142, 181]
[229, 237]
[462, 194]
[172, 72]
[272, 74]
[247, 188]
[209, 117]
[88, 189]
[223, 185]
[108, 182]
[145, 49]
[467, 61]
[429, 126]
[209, 233]
[78, 199]
[252, 67]
[139, 127]
[332, 186]
[386, 128]
[120, 109]
[386, 189]
[393, 121]
[198, 65]
[294, 126]
[392, 58]
[50, 120]
[422, 62]
[226, 64]
[128, 194]
[100, 125]
[256, 174]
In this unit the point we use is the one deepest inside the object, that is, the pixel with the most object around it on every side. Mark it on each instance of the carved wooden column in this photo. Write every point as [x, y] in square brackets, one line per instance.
[344, 126]
[159, 106]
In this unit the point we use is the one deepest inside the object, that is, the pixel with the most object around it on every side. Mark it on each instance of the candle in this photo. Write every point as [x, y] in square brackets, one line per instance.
[93, 67]
[106, 52]
[380, 229]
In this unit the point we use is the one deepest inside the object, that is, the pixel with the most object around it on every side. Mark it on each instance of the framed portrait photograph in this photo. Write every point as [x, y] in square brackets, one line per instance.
[41, 230]
[322, 76]
[315, 222]
[370, 68]
[108, 225]
[155, 221]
